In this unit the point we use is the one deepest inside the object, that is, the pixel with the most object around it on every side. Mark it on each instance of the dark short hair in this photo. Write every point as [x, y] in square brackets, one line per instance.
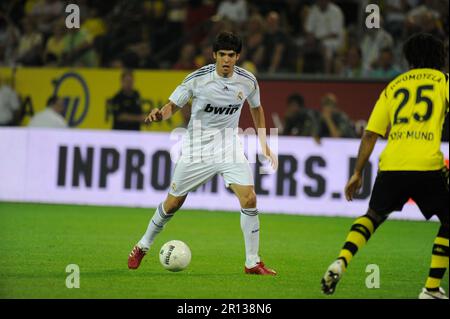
[227, 41]
[52, 100]
[423, 50]
[296, 98]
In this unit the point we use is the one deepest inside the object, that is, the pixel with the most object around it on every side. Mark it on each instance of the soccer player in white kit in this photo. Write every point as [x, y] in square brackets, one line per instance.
[218, 92]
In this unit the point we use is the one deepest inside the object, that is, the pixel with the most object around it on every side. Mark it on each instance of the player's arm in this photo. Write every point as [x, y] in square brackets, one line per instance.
[446, 90]
[368, 142]
[377, 126]
[164, 113]
[260, 125]
[178, 99]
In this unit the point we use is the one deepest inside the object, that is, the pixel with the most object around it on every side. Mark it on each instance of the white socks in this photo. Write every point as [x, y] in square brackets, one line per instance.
[156, 225]
[249, 226]
[250, 229]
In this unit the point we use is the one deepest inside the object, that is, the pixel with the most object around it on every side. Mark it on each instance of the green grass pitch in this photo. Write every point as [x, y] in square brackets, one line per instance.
[38, 241]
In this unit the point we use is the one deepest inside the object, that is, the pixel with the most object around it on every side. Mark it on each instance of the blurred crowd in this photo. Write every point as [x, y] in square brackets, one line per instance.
[280, 36]
[320, 37]
[328, 121]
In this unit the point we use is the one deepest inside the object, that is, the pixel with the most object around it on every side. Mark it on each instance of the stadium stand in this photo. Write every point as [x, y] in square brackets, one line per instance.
[157, 34]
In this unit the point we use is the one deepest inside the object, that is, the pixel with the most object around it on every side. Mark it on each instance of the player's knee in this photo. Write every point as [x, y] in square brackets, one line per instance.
[171, 205]
[377, 218]
[248, 200]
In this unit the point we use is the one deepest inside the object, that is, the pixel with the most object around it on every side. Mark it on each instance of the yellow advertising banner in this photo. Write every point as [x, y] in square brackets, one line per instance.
[86, 93]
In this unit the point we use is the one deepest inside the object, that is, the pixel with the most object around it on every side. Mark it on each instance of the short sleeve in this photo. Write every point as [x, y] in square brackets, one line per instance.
[379, 119]
[182, 94]
[446, 89]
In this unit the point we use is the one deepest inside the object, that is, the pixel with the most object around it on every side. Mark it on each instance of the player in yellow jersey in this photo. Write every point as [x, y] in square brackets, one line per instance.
[414, 106]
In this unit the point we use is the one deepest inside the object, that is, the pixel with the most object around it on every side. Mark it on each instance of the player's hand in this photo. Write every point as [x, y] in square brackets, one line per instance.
[154, 116]
[352, 186]
[273, 158]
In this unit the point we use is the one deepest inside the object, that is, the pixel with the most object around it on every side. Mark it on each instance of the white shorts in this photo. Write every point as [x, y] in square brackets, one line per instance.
[189, 176]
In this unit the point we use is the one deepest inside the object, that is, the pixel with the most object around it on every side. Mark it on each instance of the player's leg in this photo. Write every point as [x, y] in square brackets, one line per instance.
[360, 232]
[186, 177]
[250, 230]
[164, 212]
[162, 216]
[249, 222]
[439, 265]
[238, 176]
[431, 197]
[387, 196]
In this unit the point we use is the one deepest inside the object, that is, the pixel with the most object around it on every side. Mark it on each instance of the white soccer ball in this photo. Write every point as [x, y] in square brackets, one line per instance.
[175, 255]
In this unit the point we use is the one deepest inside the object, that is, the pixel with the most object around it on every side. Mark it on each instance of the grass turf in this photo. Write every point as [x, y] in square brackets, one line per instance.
[38, 241]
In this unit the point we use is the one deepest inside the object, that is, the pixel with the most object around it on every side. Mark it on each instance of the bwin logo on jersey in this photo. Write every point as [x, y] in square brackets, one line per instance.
[225, 110]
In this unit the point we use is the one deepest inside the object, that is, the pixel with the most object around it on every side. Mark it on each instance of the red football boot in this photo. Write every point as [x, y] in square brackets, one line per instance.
[135, 258]
[260, 269]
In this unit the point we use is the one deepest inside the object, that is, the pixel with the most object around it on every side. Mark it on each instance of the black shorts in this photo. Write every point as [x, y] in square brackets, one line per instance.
[428, 189]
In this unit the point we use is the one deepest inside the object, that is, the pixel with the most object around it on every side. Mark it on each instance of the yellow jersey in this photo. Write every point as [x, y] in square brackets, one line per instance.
[414, 106]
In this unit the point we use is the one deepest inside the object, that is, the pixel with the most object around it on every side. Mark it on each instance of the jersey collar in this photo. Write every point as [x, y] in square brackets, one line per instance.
[229, 79]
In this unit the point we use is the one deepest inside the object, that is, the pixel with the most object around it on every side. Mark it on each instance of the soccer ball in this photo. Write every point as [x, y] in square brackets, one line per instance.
[175, 255]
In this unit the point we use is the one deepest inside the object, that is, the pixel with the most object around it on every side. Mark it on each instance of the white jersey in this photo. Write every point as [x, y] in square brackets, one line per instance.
[216, 107]
[48, 118]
